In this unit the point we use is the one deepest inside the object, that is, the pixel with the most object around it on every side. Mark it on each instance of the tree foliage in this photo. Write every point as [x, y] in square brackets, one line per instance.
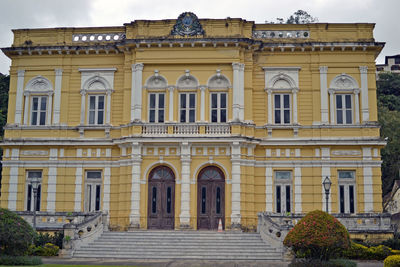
[4, 87]
[388, 92]
[318, 235]
[298, 17]
[16, 235]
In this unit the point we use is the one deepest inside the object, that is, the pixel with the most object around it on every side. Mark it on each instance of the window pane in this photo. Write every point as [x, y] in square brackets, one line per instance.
[92, 102]
[351, 197]
[34, 118]
[283, 174]
[277, 116]
[277, 101]
[35, 103]
[223, 100]
[218, 201]
[339, 117]
[341, 197]
[34, 174]
[161, 115]
[286, 116]
[348, 101]
[339, 101]
[192, 115]
[43, 103]
[278, 199]
[152, 116]
[203, 200]
[42, 118]
[101, 102]
[349, 119]
[29, 198]
[286, 101]
[183, 100]
[214, 98]
[89, 189]
[154, 200]
[347, 174]
[152, 100]
[183, 116]
[169, 201]
[97, 203]
[192, 100]
[161, 100]
[93, 174]
[100, 118]
[39, 195]
[288, 198]
[91, 116]
[223, 115]
[214, 117]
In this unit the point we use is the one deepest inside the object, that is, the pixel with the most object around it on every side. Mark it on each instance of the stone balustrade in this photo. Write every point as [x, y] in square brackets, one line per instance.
[53, 221]
[185, 129]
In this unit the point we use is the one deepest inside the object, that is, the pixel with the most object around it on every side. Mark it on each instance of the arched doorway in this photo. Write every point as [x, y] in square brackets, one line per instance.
[161, 199]
[210, 198]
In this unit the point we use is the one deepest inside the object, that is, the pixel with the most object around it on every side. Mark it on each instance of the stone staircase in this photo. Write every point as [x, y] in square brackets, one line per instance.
[190, 245]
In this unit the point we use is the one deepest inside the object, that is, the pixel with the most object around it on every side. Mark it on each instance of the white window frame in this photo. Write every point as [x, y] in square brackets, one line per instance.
[91, 185]
[39, 111]
[187, 109]
[344, 109]
[283, 183]
[347, 183]
[219, 108]
[282, 108]
[157, 107]
[31, 201]
[96, 109]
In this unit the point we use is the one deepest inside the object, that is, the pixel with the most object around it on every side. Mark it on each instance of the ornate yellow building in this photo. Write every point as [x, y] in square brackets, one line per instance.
[178, 123]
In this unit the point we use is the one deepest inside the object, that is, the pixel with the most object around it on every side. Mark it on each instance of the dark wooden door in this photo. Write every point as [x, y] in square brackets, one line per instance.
[161, 199]
[210, 198]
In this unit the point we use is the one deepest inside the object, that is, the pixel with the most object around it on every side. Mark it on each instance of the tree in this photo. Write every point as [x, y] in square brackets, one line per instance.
[301, 17]
[4, 87]
[388, 92]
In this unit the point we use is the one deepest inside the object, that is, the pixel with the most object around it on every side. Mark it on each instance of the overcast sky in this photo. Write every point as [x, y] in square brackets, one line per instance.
[16, 14]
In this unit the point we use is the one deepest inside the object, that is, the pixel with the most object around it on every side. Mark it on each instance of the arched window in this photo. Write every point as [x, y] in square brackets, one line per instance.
[156, 85]
[187, 86]
[218, 86]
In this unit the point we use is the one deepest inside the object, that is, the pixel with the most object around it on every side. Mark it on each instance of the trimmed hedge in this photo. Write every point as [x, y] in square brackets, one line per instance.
[19, 260]
[361, 252]
[392, 261]
[46, 250]
[318, 235]
[319, 263]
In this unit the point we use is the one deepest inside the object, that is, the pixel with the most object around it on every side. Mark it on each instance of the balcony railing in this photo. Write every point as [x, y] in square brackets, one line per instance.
[189, 129]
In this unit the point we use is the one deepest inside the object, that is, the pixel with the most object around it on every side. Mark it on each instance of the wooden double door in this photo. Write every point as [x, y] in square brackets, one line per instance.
[161, 199]
[210, 198]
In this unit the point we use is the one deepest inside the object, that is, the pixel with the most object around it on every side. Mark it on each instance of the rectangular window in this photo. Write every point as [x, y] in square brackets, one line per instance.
[344, 110]
[347, 191]
[219, 107]
[341, 197]
[38, 110]
[278, 199]
[287, 198]
[282, 108]
[283, 191]
[156, 107]
[93, 191]
[96, 109]
[187, 107]
[30, 205]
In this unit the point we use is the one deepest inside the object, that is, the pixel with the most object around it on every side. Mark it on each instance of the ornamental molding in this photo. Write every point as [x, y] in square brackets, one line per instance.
[187, 81]
[34, 153]
[156, 81]
[39, 84]
[187, 24]
[343, 82]
[346, 152]
[218, 81]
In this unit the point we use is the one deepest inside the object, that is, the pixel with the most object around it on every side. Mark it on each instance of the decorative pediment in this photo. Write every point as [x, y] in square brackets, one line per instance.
[39, 84]
[187, 81]
[218, 81]
[96, 83]
[343, 81]
[187, 24]
[281, 77]
[156, 81]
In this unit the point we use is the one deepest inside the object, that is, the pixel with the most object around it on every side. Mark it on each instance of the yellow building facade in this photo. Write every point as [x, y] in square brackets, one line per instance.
[175, 124]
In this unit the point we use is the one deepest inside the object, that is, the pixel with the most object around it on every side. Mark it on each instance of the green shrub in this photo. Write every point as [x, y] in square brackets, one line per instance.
[318, 235]
[19, 260]
[15, 234]
[360, 252]
[319, 263]
[392, 261]
[393, 243]
[46, 250]
[56, 239]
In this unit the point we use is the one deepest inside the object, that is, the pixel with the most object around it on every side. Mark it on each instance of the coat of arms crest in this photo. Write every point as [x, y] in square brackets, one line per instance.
[187, 24]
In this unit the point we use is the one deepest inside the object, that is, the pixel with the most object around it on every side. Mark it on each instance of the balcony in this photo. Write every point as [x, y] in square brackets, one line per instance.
[187, 129]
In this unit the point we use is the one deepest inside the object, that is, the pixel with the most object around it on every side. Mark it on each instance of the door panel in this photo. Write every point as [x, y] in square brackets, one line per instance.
[161, 199]
[210, 198]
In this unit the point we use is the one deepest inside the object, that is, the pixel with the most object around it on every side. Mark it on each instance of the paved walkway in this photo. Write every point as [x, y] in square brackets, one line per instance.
[182, 263]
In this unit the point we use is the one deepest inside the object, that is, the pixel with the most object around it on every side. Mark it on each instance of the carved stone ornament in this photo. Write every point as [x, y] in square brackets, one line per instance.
[187, 24]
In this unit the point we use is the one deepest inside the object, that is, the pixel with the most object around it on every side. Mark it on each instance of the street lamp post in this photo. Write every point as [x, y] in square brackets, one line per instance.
[35, 184]
[327, 186]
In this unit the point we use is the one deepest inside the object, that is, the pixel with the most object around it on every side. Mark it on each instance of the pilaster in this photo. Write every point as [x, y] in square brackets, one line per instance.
[57, 96]
[236, 92]
[136, 155]
[19, 96]
[323, 71]
[236, 182]
[364, 93]
[185, 186]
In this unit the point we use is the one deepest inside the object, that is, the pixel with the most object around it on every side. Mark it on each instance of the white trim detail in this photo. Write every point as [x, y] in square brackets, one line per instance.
[323, 71]
[368, 182]
[297, 190]
[13, 189]
[57, 96]
[185, 185]
[236, 182]
[51, 189]
[78, 189]
[19, 97]
[136, 92]
[106, 189]
[364, 93]
[268, 190]
[136, 155]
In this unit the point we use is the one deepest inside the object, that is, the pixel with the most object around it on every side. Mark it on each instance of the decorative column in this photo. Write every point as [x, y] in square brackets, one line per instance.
[294, 94]
[241, 92]
[368, 182]
[83, 99]
[332, 105]
[269, 91]
[108, 107]
[136, 155]
[364, 93]
[18, 97]
[13, 182]
[356, 106]
[52, 182]
[236, 92]
[323, 71]
[326, 171]
[106, 190]
[268, 189]
[171, 104]
[136, 95]
[57, 96]
[202, 104]
[185, 186]
[236, 181]
[78, 183]
[297, 190]
[50, 104]
[26, 108]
